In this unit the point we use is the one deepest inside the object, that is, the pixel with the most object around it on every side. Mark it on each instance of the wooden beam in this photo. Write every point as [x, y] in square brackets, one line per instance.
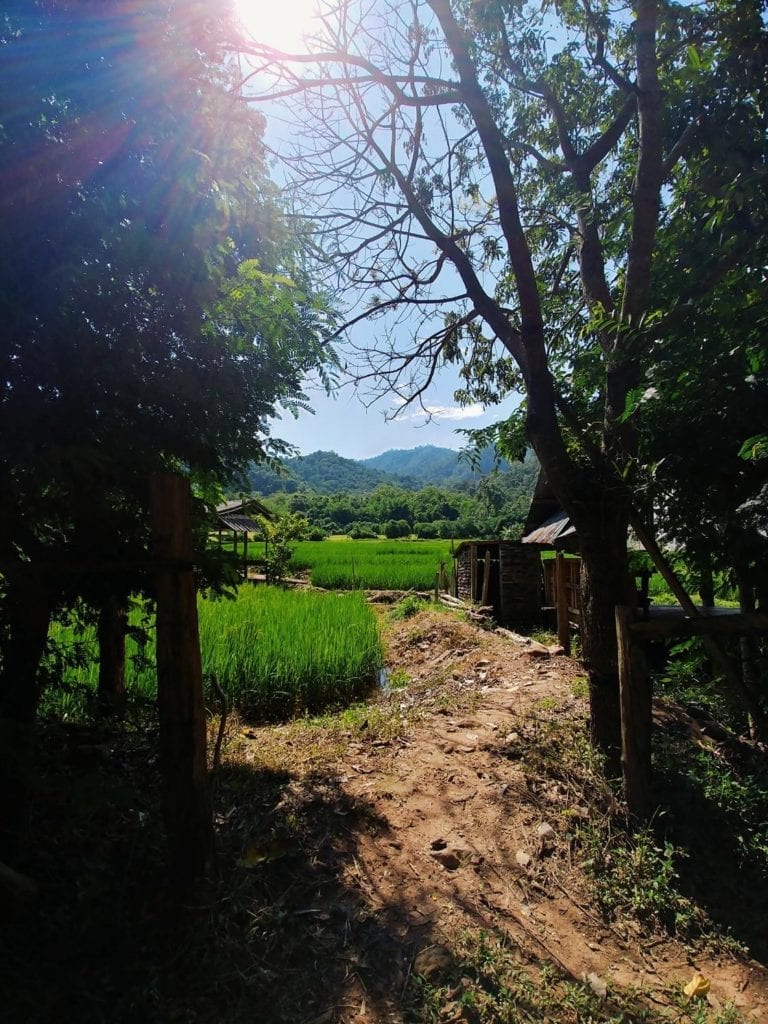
[635, 693]
[737, 624]
[181, 707]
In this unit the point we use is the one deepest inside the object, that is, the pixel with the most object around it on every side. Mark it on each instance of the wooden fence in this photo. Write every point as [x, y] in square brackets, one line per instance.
[636, 692]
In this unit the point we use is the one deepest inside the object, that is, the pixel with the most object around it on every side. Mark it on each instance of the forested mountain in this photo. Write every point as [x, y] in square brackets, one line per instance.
[432, 465]
[340, 495]
[413, 468]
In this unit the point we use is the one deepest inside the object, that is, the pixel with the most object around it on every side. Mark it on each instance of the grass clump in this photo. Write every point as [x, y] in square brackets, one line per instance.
[407, 608]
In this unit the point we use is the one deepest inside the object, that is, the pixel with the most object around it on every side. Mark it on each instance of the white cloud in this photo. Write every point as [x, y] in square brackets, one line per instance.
[445, 412]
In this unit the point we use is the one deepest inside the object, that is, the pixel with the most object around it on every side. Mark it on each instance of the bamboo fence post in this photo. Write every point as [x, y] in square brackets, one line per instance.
[181, 707]
[561, 603]
[636, 717]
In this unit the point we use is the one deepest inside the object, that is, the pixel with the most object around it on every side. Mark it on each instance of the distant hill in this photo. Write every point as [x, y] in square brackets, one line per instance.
[324, 472]
[412, 468]
[429, 464]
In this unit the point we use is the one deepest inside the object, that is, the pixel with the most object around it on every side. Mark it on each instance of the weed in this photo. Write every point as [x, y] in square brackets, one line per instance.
[580, 687]
[488, 983]
[407, 608]
[638, 875]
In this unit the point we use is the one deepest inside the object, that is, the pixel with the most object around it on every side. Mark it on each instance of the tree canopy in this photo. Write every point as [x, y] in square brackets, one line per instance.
[151, 316]
[154, 312]
[495, 176]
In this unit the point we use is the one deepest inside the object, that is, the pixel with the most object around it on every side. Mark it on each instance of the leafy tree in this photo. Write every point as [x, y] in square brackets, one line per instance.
[510, 164]
[150, 319]
[280, 535]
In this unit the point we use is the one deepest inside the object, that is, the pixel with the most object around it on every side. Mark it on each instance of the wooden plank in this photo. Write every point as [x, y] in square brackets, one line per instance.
[561, 603]
[181, 708]
[486, 578]
[636, 718]
[737, 624]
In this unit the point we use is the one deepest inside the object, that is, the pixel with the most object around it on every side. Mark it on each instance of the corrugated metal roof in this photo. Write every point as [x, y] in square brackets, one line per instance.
[551, 530]
[240, 524]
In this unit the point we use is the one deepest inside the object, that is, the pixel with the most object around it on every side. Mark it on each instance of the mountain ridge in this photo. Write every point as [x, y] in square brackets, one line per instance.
[412, 468]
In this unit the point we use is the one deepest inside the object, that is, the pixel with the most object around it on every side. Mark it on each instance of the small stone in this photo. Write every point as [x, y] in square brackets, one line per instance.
[523, 858]
[545, 831]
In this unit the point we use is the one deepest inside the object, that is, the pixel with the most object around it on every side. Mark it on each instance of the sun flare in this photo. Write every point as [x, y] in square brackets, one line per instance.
[279, 23]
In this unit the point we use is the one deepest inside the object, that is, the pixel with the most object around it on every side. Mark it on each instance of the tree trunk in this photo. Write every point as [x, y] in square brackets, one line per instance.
[605, 583]
[706, 583]
[112, 628]
[27, 613]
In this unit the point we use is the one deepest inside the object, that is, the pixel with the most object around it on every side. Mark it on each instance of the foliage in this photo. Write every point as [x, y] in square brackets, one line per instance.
[491, 504]
[275, 653]
[280, 536]
[536, 174]
[489, 981]
[638, 876]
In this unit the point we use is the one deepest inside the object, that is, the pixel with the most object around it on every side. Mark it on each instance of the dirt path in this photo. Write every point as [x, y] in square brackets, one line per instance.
[444, 828]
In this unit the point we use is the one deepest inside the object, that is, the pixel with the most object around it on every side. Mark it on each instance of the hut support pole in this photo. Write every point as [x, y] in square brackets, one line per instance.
[636, 718]
[561, 603]
[183, 761]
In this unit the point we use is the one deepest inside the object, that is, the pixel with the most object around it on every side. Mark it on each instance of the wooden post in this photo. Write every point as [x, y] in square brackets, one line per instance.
[472, 574]
[486, 578]
[636, 718]
[183, 761]
[561, 603]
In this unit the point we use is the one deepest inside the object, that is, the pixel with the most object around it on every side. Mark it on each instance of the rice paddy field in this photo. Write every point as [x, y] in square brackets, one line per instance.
[276, 653]
[372, 564]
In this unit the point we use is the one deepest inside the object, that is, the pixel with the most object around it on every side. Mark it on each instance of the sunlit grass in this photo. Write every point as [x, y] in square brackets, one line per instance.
[275, 653]
[372, 564]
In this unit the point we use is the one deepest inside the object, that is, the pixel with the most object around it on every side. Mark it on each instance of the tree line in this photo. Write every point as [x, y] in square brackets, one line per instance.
[494, 506]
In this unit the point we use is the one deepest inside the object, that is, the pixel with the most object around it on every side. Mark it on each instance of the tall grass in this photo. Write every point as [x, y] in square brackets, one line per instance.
[372, 564]
[275, 653]
[278, 652]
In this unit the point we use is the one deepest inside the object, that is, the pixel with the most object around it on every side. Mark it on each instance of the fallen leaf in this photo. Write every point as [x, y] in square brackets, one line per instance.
[697, 987]
[273, 850]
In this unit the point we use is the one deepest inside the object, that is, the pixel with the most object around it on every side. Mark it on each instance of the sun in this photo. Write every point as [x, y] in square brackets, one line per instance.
[278, 23]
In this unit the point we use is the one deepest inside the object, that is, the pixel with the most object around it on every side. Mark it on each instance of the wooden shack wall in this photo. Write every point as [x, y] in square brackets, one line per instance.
[464, 572]
[517, 594]
[520, 586]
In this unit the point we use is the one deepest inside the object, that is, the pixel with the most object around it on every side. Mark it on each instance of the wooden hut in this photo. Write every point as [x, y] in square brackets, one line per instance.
[237, 516]
[549, 528]
[503, 575]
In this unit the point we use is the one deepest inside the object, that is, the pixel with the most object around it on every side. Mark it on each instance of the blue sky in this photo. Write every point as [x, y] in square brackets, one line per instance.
[343, 424]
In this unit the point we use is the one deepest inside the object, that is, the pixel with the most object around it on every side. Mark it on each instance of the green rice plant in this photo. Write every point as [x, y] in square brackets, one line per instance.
[372, 564]
[274, 652]
[277, 652]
